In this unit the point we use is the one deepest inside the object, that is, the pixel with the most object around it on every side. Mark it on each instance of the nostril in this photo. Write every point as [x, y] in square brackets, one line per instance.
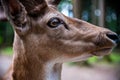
[113, 37]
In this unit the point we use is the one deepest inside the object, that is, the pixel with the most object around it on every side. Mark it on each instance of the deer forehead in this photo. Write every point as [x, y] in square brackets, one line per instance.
[50, 14]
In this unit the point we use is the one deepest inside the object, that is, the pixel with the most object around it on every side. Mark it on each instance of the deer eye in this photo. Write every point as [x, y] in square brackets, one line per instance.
[54, 22]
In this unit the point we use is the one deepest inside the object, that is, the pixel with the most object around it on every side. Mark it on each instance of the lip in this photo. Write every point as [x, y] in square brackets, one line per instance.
[101, 52]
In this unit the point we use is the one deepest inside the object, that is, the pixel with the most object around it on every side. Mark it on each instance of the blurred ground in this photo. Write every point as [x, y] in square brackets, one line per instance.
[5, 62]
[96, 72]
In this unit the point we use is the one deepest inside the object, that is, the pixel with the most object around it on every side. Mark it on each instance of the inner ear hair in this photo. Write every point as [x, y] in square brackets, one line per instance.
[34, 6]
[17, 15]
[15, 12]
[11, 7]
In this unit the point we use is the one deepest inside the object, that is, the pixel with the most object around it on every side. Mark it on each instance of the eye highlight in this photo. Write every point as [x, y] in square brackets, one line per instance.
[54, 22]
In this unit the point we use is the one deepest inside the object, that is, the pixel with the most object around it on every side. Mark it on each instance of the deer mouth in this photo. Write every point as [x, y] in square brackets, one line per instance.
[102, 52]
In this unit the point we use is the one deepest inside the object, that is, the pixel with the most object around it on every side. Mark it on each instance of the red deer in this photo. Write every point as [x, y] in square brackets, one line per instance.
[45, 38]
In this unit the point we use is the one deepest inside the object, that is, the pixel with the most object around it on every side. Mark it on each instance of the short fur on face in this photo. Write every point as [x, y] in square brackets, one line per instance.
[43, 35]
[71, 38]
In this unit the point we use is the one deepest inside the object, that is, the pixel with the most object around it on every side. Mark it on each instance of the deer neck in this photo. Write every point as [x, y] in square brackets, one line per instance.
[27, 66]
[32, 69]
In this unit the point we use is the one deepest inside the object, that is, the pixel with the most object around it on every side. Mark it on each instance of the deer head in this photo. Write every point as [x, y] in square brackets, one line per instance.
[43, 33]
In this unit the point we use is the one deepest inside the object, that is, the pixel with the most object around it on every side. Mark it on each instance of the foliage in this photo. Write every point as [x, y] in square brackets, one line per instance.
[111, 20]
[1, 40]
[113, 58]
[6, 34]
[7, 51]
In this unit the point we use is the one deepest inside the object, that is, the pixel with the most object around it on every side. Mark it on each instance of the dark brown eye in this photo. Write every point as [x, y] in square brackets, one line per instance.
[54, 22]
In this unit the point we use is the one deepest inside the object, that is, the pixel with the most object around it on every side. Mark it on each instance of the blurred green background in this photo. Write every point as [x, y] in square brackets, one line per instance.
[104, 13]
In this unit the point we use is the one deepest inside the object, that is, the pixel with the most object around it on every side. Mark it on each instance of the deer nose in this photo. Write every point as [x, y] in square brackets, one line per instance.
[113, 37]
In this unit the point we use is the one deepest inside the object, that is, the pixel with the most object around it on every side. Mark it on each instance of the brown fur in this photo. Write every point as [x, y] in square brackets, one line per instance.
[39, 50]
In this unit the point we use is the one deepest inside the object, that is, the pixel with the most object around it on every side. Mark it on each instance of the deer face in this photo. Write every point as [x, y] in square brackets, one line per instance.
[47, 33]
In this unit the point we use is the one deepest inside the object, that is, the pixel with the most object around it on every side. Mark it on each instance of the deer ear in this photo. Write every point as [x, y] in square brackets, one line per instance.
[54, 2]
[16, 13]
[32, 7]
[11, 7]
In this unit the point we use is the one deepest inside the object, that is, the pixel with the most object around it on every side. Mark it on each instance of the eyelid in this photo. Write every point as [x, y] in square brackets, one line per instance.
[61, 22]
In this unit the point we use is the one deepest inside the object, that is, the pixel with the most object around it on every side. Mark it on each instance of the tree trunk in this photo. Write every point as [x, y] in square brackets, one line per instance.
[97, 12]
[77, 8]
